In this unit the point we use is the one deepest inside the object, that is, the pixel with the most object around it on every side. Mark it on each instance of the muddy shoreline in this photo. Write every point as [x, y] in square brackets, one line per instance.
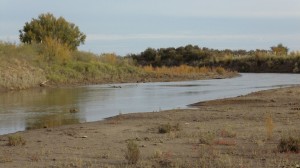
[233, 132]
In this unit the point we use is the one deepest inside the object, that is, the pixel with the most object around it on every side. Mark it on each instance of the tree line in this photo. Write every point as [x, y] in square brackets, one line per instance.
[194, 55]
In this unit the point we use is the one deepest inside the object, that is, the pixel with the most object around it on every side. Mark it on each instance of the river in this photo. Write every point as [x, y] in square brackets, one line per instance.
[48, 107]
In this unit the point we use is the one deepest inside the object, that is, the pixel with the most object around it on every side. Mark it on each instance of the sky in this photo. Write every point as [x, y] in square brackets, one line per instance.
[131, 26]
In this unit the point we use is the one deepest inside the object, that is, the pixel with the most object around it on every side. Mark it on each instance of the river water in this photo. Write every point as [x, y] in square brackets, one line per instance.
[48, 107]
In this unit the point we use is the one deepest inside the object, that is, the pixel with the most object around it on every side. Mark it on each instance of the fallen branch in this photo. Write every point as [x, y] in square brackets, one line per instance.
[43, 84]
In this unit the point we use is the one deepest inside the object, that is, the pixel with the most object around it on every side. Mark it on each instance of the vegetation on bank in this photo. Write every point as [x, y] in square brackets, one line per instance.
[49, 55]
[277, 59]
[24, 66]
[53, 63]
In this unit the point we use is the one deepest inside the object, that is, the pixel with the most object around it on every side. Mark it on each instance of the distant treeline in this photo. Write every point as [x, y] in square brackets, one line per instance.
[277, 59]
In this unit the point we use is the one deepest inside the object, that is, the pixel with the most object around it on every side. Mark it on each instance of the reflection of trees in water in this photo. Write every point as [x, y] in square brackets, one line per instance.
[41, 97]
[58, 102]
[43, 107]
[54, 120]
[62, 97]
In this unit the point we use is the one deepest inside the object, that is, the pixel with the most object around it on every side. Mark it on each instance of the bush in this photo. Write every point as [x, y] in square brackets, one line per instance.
[206, 138]
[290, 144]
[165, 128]
[132, 154]
[15, 140]
[55, 51]
[220, 70]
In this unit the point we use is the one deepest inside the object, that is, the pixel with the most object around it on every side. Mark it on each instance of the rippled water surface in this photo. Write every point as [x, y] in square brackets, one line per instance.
[44, 107]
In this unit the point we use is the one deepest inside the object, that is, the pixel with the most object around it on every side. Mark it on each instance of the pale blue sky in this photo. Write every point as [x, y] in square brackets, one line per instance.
[130, 26]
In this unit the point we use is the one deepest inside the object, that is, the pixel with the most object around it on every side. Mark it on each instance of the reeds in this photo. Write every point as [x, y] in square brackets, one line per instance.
[182, 70]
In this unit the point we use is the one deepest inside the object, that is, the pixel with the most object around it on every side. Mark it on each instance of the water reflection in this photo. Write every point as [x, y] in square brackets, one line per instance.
[38, 108]
[48, 121]
[31, 109]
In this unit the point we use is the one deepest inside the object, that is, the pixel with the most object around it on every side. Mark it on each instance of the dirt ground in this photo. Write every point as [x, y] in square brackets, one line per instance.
[239, 132]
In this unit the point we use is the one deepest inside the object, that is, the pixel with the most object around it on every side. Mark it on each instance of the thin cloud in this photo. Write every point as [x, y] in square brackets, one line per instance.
[119, 37]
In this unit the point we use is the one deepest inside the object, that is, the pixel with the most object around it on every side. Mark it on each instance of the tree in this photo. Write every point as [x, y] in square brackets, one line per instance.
[149, 54]
[48, 26]
[279, 50]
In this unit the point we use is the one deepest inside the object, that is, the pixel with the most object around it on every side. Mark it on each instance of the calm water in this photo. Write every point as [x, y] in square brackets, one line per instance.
[31, 109]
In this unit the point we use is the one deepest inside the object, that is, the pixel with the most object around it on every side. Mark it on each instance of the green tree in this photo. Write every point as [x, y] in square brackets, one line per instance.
[149, 54]
[48, 26]
[279, 50]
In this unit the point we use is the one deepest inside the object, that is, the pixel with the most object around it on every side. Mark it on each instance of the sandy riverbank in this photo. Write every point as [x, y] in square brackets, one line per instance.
[235, 132]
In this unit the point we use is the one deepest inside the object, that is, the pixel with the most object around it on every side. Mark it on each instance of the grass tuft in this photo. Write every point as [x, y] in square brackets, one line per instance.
[132, 154]
[206, 138]
[290, 144]
[167, 128]
[16, 140]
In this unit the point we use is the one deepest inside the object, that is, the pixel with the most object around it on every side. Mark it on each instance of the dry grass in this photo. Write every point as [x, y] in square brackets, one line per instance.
[167, 128]
[220, 70]
[16, 140]
[290, 144]
[132, 154]
[34, 157]
[5, 159]
[227, 133]
[206, 138]
[226, 142]
[181, 70]
[269, 126]
[53, 50]
[16, 74]
[210, 157]
[157, 154]
[26, 66]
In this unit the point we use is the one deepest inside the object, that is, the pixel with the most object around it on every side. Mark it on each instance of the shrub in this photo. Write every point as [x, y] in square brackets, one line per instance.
[15, 140]
[55, 51]
[220, 70]
[165, 128]
[109, 58]
[132, 154]
[206, 138]
[290, 144]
